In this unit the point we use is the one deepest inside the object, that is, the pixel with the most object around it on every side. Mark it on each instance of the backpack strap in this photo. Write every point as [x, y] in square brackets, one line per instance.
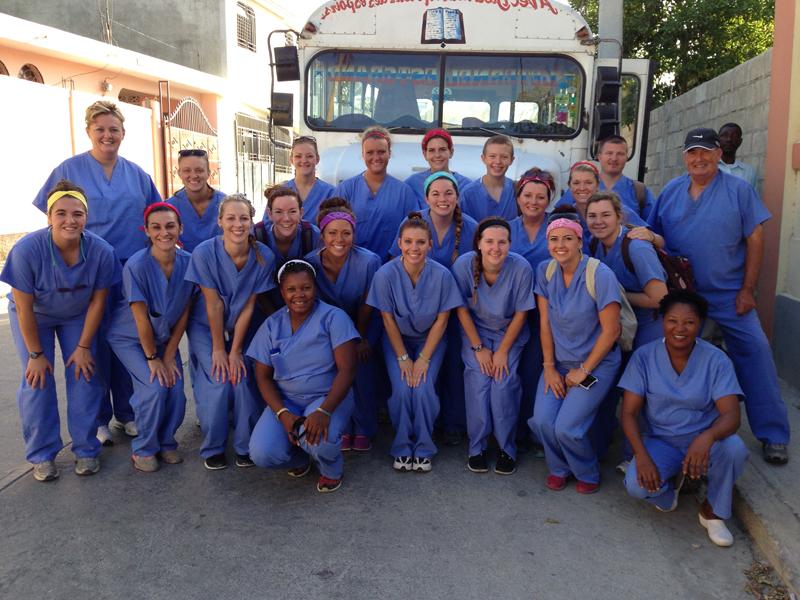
[593, 245]
[551, 268]
[591, 272]
[641, 194]
[306, 237]
[259, 232]
[626, 254]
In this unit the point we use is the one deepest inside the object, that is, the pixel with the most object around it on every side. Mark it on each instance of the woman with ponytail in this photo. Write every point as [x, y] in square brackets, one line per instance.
[230, 270]
[415, 296]
[497, 287]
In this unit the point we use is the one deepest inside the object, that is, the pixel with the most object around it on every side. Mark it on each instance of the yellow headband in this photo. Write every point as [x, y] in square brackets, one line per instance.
[58, 195]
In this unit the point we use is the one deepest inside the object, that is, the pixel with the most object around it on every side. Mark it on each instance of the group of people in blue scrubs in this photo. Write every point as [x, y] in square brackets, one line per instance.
[469, 306]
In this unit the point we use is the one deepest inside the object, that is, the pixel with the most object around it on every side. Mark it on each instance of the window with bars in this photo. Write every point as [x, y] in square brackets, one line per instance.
[245, 27]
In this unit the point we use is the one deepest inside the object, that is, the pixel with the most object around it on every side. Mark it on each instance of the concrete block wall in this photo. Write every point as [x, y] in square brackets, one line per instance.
[740, 95]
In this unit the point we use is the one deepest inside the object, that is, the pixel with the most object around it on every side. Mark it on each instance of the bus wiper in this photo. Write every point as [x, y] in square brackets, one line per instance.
[485, 130]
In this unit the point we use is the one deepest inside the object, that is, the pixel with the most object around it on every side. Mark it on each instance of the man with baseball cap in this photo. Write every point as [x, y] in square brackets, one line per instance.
[715, 219]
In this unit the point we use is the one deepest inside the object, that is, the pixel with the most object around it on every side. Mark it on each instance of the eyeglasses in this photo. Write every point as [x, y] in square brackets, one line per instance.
[192, 152]
[560, 215]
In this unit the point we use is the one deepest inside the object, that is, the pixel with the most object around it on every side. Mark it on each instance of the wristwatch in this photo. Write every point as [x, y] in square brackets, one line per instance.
[34, 355]
[403, 357]
[477, 348]
[153, 356]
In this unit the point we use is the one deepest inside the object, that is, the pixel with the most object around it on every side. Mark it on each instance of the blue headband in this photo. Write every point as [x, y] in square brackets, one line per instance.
[439, 175]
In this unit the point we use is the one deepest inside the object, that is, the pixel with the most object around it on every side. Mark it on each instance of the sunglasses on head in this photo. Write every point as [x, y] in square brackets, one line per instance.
[305, 138]
[568, 216]
[192, 152]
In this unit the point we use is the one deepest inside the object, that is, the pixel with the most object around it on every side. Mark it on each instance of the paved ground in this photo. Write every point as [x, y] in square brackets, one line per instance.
[185, 532]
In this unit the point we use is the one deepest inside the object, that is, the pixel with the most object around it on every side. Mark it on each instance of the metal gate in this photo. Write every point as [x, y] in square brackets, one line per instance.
[186, 127]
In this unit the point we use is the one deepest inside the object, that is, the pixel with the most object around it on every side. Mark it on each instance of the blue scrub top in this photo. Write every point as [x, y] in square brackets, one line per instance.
[166, 299]
[303, 361]
[626, 190]
[321, 190]
[116, 206]
[35, 266]
[296, 248]
[712, 230]
[211, 267]
[572, 313]
[443, 253]
[197, 228]
[496, 304]
[478, 203]
[677, 405]
[533, 251]
[417, 183]
[349, 290]
[646, 265]
[414, 308]
[378, 216]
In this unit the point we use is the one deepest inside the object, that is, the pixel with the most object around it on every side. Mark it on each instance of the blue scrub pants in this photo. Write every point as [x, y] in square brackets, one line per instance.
[119, 387]
[38, 408]
[365, 413]
[214, 400]
[413, 411]
[451, 380]
[492, 406]
[159, 410]
[751, 354]
[530, 369]
[726, 463]
[270, 446]
[563, 424]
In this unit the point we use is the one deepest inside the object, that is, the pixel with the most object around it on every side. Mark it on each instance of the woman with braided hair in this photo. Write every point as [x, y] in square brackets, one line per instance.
[497, 287]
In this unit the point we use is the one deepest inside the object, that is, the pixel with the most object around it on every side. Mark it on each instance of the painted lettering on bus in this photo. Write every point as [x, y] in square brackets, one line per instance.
[353, 6]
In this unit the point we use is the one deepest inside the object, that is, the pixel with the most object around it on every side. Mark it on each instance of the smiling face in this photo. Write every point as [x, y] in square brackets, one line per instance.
[602, 220]
[67, 217]
[415, 243]
[533, 200]
[376, 153]
[285, 215]
[702, 163]
[612, 158]
[193, 171]
[106, 134]
[497, 158]
[442, 197]
[338, 237]
[564, 245]
[304, 159]
[494, 245]
[298, 292]
[438, 154]
[681, 327]
[163, 228]
[235, 222]
[582, 184]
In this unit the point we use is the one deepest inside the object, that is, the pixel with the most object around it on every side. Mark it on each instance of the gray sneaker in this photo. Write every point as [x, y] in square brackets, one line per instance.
[146, 464]
[87, 466]
[45, 471]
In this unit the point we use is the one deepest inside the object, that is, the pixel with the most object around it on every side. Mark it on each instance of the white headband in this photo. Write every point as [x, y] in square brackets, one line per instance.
[295, 261]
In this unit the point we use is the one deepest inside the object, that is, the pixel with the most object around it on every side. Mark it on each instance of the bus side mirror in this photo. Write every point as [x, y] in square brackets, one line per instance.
[281, 109]
[287, 65]
[605, 120]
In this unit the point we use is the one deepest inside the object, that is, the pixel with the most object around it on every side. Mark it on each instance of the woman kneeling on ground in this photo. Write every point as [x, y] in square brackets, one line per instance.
[305, 365]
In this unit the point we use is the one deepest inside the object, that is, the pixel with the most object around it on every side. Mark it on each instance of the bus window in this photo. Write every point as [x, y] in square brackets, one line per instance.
[629, 110]
[461, 113]
[521, 111]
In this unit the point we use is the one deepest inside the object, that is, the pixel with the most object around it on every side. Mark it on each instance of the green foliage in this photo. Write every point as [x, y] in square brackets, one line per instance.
[691, 41]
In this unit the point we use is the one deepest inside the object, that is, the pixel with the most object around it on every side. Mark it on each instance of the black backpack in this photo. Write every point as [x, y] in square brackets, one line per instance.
[306, 238]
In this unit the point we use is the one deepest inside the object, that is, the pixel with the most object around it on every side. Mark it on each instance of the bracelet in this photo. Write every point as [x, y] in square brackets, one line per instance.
[548, 364]
[583, 370]
[477, 348]
[425, 358]
[403, 357]
[280, 412]
[323, 411]
[84, 347]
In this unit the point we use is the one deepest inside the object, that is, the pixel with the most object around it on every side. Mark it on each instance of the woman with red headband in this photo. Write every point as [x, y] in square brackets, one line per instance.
[437, 148]
[379, 201]
[147, 325]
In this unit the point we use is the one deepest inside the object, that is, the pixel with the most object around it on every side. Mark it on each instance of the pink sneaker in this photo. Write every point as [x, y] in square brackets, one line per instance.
[555, 483]
[584, 487]
[347, 442]
[361, 443]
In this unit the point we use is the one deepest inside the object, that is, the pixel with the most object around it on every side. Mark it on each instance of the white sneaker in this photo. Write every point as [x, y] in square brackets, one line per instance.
[717, 531]
[422, 465]
[129, 427]
[87, 466]
[45, 471]
[402, 463]
[104, 436]
[622, 467]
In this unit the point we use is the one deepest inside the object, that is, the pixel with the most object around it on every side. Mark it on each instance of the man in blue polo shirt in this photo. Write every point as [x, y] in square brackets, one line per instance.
[715, 219]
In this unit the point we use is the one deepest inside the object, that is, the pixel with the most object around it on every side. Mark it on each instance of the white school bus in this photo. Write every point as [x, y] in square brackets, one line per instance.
[527, 69]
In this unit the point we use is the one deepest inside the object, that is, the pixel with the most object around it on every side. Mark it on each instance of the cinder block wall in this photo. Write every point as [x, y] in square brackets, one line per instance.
[740, 95]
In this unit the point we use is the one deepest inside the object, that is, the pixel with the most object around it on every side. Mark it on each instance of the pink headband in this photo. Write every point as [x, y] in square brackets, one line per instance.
[334, 216]
[588, 164]
[566, 224]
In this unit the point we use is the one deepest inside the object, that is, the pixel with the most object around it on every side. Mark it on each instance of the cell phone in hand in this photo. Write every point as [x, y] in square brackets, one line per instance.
[588, 382]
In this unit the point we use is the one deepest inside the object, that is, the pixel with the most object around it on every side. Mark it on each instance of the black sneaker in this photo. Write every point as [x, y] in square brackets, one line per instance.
[243, 461]
[505, 464]
[452, 438]
[478, 464]
[775, 454]
[216, 462]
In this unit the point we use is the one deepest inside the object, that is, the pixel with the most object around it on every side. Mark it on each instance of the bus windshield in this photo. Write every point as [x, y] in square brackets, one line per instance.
[525, 96]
